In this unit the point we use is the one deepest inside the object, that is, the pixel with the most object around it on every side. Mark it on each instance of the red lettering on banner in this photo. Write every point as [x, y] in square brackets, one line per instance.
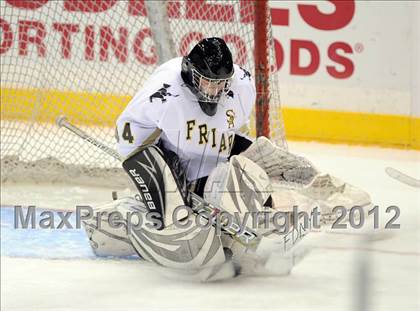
[199, 10]
[279, 55]
[279, 17]
[25, 4]
[120, 47]
[246, 11]
[295, 47]
[340, 18]
[339, 59]
[89, 42]
[88, 6]
[138, 8]
[240, 48]
[115, 40]
[7, 37]
[188, 39]
[66, 30]
[174, 9]
[38, 39]
[138, 49]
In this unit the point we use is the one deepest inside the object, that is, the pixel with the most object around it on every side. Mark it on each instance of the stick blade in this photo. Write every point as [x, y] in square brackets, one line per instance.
[401, 177]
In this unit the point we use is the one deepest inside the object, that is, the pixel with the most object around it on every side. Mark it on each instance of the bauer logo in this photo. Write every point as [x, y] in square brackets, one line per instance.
[145, 190]
[149, 181]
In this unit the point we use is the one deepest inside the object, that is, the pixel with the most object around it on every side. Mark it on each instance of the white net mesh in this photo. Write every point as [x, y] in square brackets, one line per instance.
[85, 59]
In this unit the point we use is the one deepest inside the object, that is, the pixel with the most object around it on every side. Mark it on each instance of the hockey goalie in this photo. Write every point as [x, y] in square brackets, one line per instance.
[184, 137]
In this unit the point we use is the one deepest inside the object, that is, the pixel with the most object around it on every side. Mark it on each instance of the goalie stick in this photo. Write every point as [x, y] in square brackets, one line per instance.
[401, 177]
[63, 122]
[245, 236]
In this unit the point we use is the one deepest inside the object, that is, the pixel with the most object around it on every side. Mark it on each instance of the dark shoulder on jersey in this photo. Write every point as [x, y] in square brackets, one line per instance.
[163, 93]
[166, 82]
[242, 78]
[243, 74]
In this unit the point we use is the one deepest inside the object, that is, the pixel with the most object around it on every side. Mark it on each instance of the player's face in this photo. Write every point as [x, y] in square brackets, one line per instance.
[210, 89]
[213, 88]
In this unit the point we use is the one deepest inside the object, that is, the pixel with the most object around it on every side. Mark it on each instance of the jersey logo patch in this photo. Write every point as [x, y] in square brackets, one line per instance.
[162, 93]
[230, 118]
[246, 74]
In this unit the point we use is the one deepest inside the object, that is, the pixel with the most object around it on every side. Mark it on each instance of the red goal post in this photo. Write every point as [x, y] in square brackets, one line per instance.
[86, 59]
[262, 69]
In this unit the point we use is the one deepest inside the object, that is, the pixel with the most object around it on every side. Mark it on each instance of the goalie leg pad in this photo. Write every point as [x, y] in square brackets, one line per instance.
[329, 192]
[191, 248]
[106, 240]
[155, 182]
[239, 186]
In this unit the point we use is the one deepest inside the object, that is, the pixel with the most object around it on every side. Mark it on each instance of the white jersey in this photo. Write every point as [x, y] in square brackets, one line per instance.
[166, 104]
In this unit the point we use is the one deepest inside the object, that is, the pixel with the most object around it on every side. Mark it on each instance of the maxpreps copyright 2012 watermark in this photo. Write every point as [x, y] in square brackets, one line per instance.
[183, 217]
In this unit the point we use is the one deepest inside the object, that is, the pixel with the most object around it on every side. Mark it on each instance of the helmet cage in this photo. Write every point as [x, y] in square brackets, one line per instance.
[203, 84]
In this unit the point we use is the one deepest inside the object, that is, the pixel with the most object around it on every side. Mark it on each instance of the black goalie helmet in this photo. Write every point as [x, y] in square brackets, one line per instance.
[208, 71]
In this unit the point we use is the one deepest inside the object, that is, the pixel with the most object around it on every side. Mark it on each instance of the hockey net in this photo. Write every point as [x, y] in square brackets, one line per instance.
[85, 59]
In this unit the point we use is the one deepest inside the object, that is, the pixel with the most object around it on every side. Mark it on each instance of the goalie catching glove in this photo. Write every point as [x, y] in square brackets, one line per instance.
[279, 164]
[296, 181]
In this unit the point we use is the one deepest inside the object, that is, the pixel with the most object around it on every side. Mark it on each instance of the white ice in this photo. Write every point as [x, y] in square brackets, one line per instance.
[329, 278]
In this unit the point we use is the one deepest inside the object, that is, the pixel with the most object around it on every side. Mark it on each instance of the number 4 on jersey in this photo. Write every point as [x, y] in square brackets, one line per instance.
[126, 134]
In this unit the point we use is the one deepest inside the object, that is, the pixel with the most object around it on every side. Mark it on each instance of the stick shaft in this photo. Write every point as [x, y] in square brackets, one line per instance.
[63, 122]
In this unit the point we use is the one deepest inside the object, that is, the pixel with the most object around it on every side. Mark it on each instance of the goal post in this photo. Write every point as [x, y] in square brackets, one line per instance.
[86, 59]
[262, 69]
[161, 30]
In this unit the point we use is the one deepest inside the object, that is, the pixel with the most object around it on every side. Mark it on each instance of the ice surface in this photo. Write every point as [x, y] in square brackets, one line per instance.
[68, 242]
[327, 279]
